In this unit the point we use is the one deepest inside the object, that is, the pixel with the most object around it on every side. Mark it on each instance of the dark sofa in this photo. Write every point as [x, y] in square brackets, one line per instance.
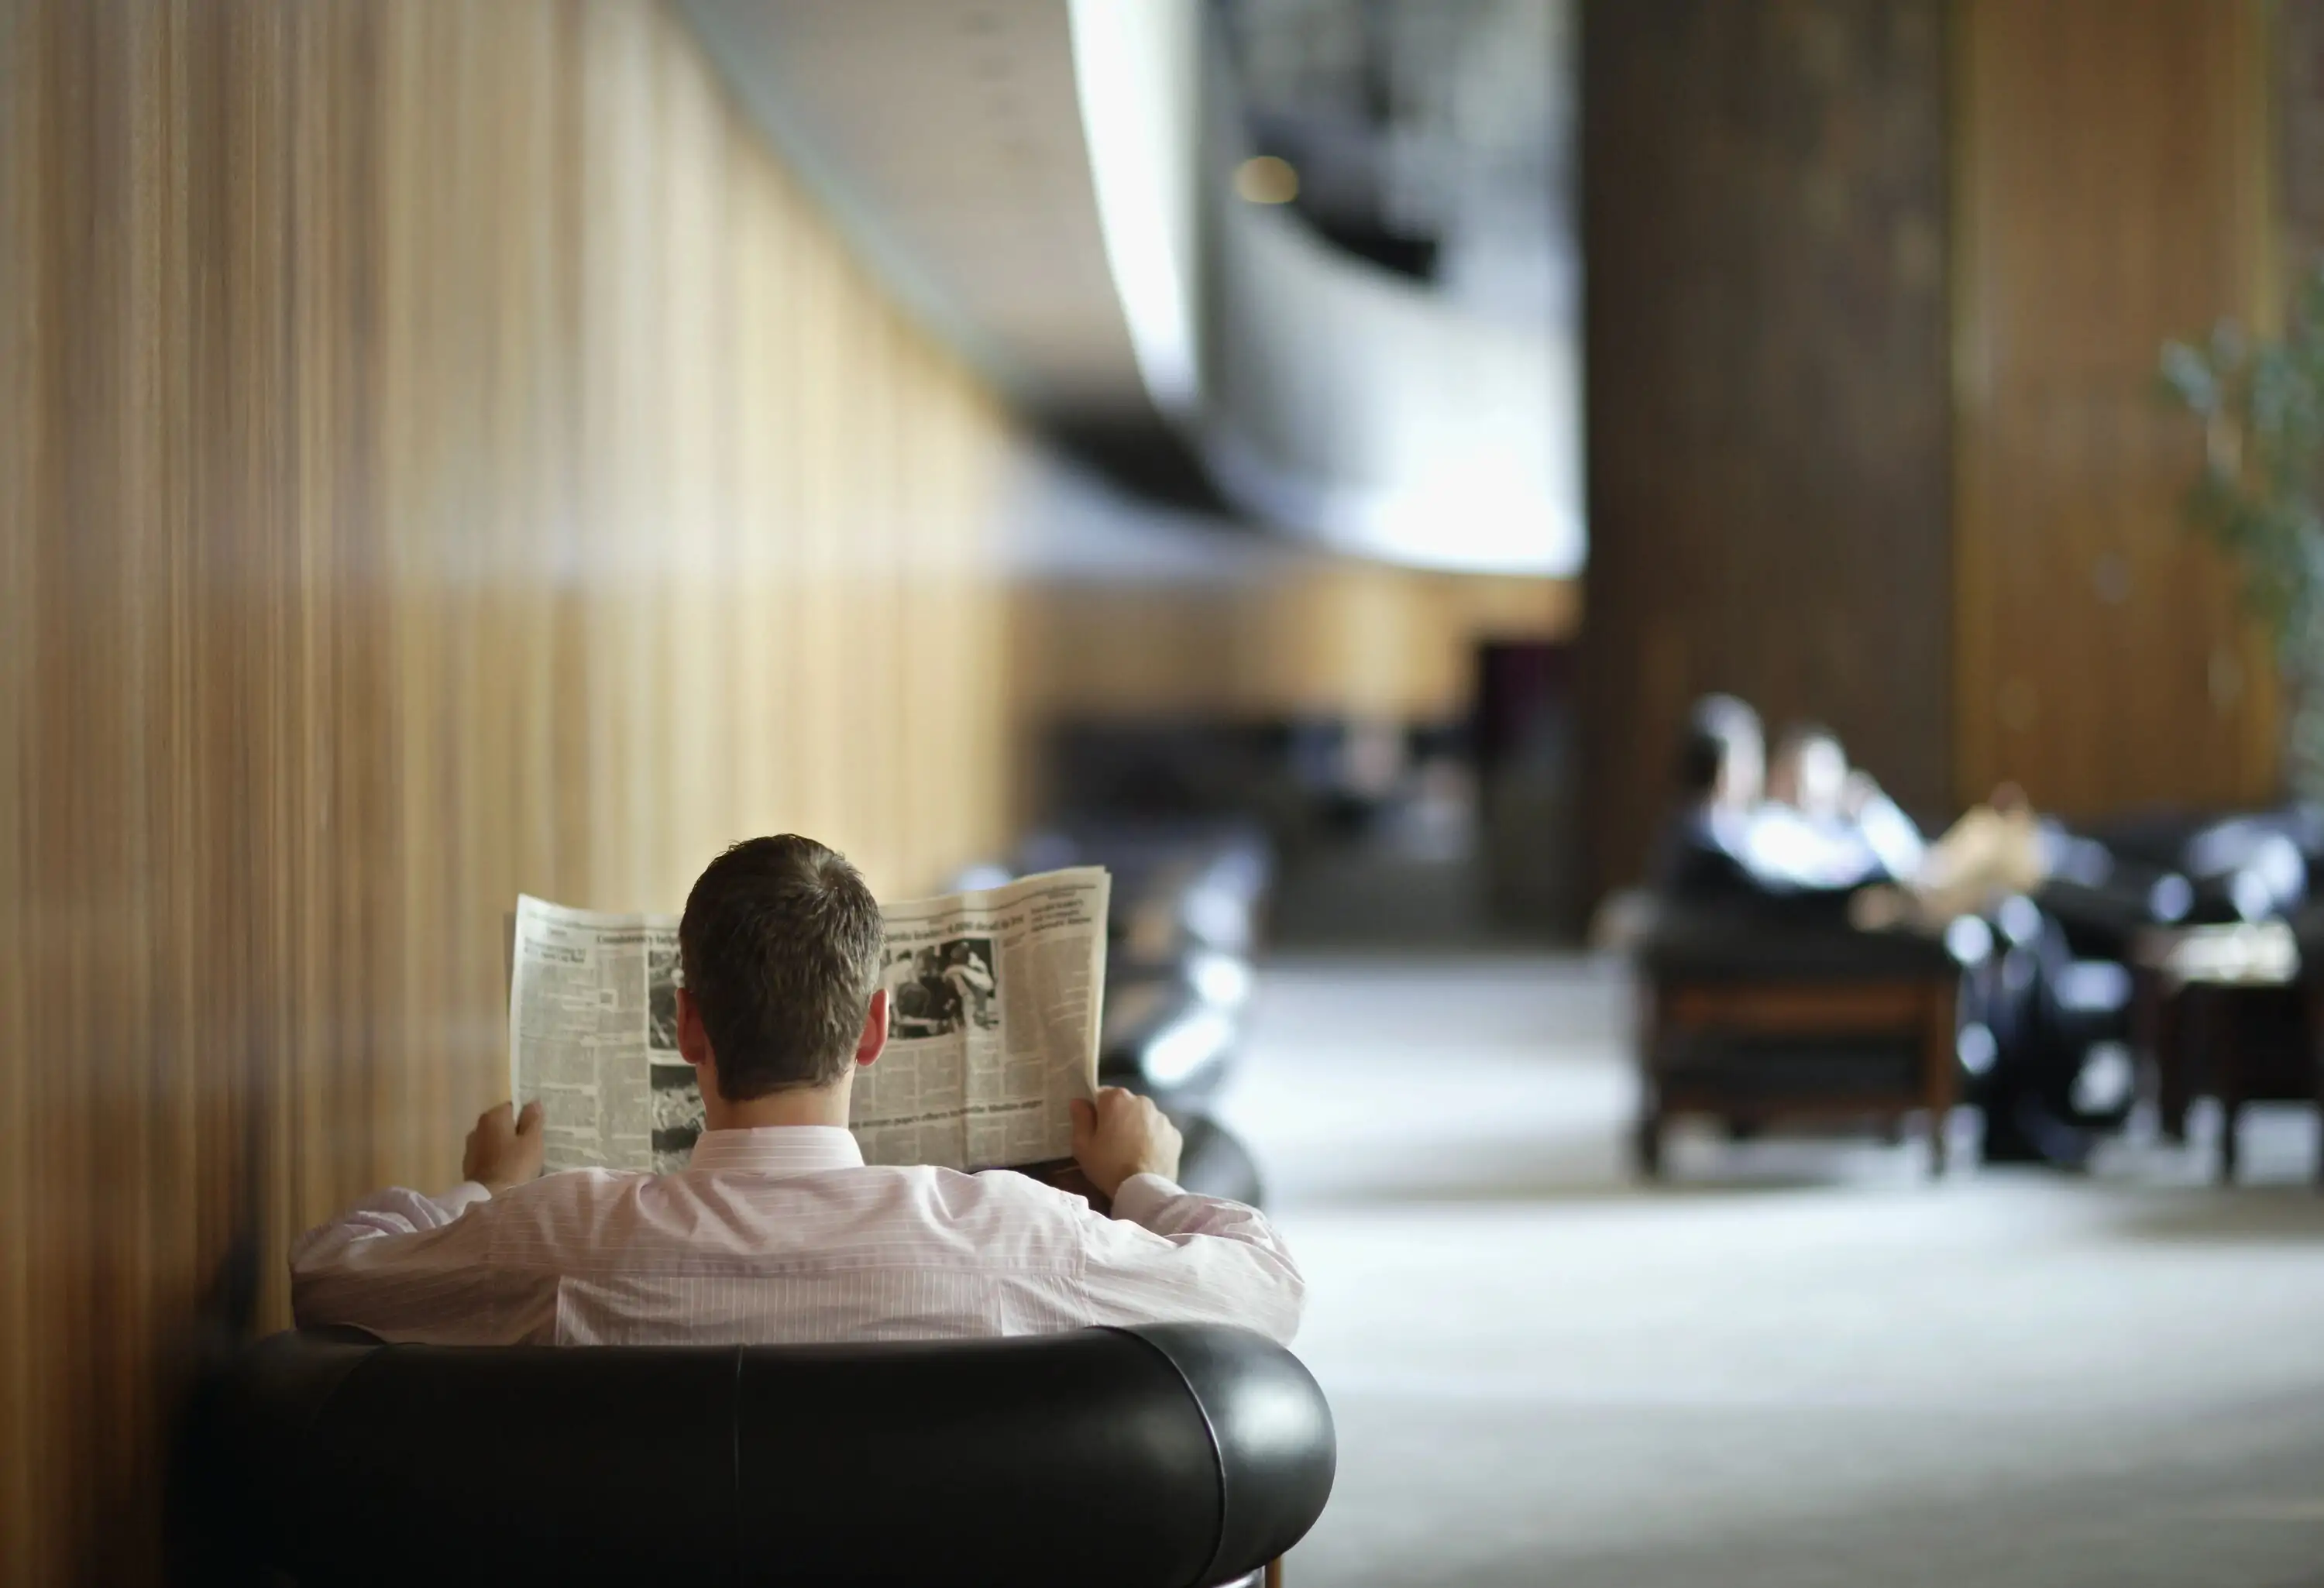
[1173, 1456]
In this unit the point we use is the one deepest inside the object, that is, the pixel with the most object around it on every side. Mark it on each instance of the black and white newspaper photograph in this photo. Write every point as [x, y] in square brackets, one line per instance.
[662, 996]
[677, 1116]
[940, 988]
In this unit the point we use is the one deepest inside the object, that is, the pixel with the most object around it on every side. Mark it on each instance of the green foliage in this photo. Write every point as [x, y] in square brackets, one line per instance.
[2262, 404]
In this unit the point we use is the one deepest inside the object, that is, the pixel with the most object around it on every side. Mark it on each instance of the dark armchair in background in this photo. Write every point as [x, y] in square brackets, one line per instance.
[1755, 1021]
[2215, 916]
[1173, 1456]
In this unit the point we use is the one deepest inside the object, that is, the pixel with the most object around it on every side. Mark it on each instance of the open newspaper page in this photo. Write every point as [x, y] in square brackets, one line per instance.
[993, 1004]
[592, 1036]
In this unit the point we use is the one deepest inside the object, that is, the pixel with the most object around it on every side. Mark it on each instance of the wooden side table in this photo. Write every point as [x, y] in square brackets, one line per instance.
[2207, 997]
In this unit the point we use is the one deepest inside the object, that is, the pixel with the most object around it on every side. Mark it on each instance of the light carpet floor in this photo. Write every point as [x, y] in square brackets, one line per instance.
[1801, 1363]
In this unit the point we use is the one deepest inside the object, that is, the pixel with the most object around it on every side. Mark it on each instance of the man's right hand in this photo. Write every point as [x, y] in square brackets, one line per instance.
[1120, 1134]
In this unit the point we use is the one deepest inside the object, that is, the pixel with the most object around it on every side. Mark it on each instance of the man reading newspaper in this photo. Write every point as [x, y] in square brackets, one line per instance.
[777, 1229]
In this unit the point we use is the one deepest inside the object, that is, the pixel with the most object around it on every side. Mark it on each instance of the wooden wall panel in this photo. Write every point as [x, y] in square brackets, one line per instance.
[2297, 46]
[1302, 634]
[440, 454]
[1763, 233]
[2111, 191]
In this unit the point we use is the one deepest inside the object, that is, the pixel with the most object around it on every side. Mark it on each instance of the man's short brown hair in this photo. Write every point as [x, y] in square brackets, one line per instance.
[780, 943]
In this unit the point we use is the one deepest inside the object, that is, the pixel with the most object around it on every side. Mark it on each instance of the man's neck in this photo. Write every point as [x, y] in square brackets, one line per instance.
[798, 1106]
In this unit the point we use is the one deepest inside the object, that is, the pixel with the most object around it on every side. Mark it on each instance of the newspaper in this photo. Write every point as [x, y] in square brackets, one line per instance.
[993, 1009]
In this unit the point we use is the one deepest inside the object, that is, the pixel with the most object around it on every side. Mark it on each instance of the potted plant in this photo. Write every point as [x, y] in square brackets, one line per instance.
[2260, 497]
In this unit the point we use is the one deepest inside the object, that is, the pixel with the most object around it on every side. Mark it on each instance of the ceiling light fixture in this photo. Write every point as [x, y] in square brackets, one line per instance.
[1267, 178]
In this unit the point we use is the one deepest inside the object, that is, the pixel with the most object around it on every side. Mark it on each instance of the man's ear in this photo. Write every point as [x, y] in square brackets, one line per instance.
[692, 1042]
[875, 1029]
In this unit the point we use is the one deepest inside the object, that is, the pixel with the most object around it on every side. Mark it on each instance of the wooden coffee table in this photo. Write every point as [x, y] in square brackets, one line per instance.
[2213, 1004]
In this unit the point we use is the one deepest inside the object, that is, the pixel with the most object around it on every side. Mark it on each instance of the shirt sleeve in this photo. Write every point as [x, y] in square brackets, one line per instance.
[1787, 853]
[404, 1267]
[1168, 1256]
[1893, 838]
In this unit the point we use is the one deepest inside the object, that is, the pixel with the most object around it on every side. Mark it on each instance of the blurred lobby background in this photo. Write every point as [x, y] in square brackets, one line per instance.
[1314, 452]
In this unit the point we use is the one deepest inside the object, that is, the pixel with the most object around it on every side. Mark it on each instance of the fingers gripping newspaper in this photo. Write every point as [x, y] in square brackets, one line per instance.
[993, 1009]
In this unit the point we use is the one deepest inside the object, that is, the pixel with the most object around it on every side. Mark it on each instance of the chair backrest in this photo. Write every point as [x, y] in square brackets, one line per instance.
[1173, 1457]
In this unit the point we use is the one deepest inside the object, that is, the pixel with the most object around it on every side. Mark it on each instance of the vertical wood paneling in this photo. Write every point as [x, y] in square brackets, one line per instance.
[1307, 635]
[440, 454]
[23, 1422]
[2297, 48]
[2110, 192]
[1763, 235]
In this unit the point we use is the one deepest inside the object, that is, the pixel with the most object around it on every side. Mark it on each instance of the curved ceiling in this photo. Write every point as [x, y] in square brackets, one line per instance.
[947, 137]
[1049, 184]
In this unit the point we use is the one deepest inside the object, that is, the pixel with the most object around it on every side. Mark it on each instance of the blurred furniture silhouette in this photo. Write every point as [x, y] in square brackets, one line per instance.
[1173, 1457]
[2225, 1012]
[2191, 905]
[1523, 728]
[1755, 1021]
[2308, 931]
[1189, 908]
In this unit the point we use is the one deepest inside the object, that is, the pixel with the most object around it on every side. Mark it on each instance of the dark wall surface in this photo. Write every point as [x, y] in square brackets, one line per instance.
[2300, 84]
[1764, 238]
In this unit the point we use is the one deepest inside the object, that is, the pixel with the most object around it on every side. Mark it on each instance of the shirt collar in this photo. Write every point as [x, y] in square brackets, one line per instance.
[777, 1149]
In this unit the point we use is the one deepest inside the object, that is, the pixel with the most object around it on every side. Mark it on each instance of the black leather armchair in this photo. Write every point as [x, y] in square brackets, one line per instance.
[1753, 1017]
[1173, 1457]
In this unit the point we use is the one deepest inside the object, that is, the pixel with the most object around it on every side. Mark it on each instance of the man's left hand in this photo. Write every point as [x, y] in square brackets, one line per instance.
[504, 1148]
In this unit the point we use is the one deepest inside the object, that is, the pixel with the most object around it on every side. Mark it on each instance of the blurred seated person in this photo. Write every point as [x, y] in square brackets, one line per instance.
[1996, 849]
[1810, 775]
[1830, 849]
[1999, 858]
[1728, 845]
[1811, 829]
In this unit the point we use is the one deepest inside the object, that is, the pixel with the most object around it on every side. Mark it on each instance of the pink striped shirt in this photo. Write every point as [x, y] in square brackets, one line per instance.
[783, 1236]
